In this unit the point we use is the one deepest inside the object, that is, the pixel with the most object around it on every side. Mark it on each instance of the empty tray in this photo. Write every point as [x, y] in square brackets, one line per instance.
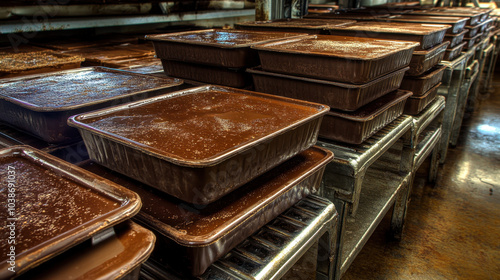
[428, 35]
[451, 54]
[422, 61]
[421, 84]
[415, 104]
[56, 206]
[28, 63]
[309, 26]
[41, 104]
[202, 143]
[117, 257]
[336, 58]
[356, 127]
[225, 48]
[347, 97]
[455, 39]
[237, 78]
[457, 23]
[192, 237]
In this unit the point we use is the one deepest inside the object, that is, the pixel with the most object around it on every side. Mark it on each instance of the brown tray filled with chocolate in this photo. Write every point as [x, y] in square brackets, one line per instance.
[192, 237]
[223, 48]
[309, 26]
[355, 127]
[457, 23]
[58, 206]
[201, 143]
[415, 104]
[455, 39]
[342, 96]
[428, 35]
[41, 104]
[28, 63]
[336, 58]
[483, 12]
[349, 16]
[119, 256]
[421, 84]
[97, 56]
[451, 54]
[473, 17]
[421, 61]
[143, 65]
[230, 77]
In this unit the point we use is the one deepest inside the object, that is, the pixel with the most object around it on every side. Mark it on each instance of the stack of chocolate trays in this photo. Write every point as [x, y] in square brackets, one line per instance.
[67, 223]
[357, 77]
[212, 56]
[454, 35]
[212, 165]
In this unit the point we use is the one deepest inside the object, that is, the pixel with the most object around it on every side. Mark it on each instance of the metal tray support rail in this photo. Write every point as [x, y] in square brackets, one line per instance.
[450, 88]
[490, 62]
[344, 176]
[469, 88]
[72, 153]
[484, 57]
[384, 187]
[274, 249]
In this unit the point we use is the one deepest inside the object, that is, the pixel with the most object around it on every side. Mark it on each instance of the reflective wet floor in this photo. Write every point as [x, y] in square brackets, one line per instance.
[452, 229]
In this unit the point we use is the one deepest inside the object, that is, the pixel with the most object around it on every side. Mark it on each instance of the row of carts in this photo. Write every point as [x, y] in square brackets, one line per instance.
[268, 151]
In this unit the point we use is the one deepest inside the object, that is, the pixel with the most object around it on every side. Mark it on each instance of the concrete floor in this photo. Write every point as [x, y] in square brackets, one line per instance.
[452, 229]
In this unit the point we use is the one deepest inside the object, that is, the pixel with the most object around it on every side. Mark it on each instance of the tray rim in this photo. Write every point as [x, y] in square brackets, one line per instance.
[434, 50]
[155, 38]
[235, 221]
[345, 115]
[435, 87]
[443, 27]
[446, 20]
[47, 109]
[433, 71]
[462, 33]
[130, 206]
[258, 70]
[74, 121]
[269, 47]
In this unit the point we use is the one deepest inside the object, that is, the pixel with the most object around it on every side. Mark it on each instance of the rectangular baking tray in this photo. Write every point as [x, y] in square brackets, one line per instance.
[451, 54]
[471, 42]
[473, 30]
[415, 104]
[350, 16]
[356, 127]
[421, 84]
[29, 63]
[309, 26]
[201, 143]
[224, 48]
[99, 55]
[483, 12]
[336, 58]
[41, 104]
[117, 257]
[457, 23]
[58, 206]
[455, 39]
[342, 96]
[473, 18]
[230, 77]
[428, 35]
[422, 61]
[196, 236]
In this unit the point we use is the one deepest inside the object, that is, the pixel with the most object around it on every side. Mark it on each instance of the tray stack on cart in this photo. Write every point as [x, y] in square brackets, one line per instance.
[67, 223]
[212, 56]
[212, 165]
[426, 56]
[357, 77]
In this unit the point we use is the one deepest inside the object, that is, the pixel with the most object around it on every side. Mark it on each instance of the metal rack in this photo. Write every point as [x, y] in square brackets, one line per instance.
[275, 248]
[364, 185]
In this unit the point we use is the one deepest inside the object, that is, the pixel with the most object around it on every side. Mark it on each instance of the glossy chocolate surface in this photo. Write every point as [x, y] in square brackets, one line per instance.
[100, 54]
[200, 125]
[200, 225]
[16, 62]
[223, 38]
[74, 88]
[393, 27]
[340, 46]
[49, 206]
